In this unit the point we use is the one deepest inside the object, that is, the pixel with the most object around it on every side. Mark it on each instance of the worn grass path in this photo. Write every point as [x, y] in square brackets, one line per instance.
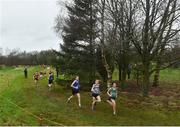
[51, 105]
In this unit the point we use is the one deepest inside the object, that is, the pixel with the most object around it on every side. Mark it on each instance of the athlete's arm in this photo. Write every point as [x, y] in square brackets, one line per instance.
[73, 84]
[92, 88]
[108, 92]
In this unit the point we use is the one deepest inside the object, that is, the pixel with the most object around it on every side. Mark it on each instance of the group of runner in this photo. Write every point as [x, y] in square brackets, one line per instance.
[37, 76]
[95, 90]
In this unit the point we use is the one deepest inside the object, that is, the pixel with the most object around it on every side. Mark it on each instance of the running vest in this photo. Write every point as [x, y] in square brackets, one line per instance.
[96, 89]
[76, 84]
[36, 76]
[113, 92]
[51, 77]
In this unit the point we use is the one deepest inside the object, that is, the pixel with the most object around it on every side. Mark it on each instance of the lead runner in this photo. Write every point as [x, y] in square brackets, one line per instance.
[75, 90]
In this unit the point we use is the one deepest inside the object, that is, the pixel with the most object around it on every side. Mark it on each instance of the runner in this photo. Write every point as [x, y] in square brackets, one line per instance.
[95, 93]
[36, 77]
[75, 90]
[112, 93]
[25, 72]
[41, 75]
[50, 79]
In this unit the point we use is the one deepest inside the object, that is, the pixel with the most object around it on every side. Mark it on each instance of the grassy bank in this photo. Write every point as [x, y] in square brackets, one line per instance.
[50, 105]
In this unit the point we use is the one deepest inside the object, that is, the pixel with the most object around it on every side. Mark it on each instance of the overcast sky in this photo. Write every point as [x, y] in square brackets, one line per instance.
[28, 24]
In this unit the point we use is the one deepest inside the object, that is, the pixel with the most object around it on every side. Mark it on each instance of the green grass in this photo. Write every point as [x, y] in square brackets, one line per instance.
[51, 105]
[170, 76]
[167, 76]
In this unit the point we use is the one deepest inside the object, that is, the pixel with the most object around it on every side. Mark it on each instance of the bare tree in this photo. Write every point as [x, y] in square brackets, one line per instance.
[102, 37]
[121, 13]
[156, 26]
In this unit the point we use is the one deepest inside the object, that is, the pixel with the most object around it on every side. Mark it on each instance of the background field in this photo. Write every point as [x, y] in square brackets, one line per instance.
[161, 108]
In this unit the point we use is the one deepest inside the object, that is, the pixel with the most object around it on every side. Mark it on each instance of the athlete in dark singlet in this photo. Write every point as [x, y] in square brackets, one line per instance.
[50, 79]
[75, 90]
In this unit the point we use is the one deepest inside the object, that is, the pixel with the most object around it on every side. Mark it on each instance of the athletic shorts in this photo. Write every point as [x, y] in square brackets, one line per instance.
[50, 81]
[95, 95]
[36, 79]
[75, 91]
[113, 98]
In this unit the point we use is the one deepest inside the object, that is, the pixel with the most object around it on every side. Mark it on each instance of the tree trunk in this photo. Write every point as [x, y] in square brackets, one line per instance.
[123, 81]
[137, 77]
[108, 69]
[156, 75]
[120, 73]
[146, 54]
[145, 81]
[124, 75]
[145, 86]
[92, 60]
[104, 61]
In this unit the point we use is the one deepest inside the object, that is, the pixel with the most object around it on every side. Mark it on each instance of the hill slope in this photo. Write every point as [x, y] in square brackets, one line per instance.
[23, 103]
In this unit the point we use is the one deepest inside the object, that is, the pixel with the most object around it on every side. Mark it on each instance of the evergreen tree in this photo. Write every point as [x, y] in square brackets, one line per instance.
[79, 35]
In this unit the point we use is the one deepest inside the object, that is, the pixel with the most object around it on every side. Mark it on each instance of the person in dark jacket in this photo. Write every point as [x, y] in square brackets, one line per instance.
[25, 72]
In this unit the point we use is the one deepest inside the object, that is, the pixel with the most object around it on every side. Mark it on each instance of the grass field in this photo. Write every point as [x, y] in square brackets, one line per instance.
[21, 102]
[167, 76]
[170, 76]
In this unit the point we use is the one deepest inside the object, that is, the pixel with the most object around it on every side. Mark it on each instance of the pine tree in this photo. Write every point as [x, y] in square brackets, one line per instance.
[79, 35]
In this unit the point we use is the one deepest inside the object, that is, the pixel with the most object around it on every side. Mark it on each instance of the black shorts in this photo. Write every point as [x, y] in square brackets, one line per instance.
[95, 95]
[111, 98]
[75, 91]
[50, 81]
[36, 79]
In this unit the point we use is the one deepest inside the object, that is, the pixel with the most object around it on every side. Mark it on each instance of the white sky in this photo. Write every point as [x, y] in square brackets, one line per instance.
[28, 24]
